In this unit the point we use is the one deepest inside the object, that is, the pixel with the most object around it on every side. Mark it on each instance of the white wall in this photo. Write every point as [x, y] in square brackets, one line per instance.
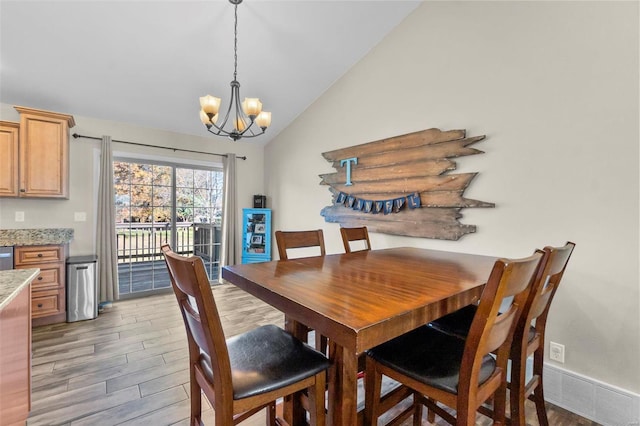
[84, 169]
[554, 86]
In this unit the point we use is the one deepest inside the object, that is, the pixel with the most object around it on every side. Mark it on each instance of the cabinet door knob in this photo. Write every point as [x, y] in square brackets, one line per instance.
[39, 278]
[39, 305]
[22, 190]
[39, 254]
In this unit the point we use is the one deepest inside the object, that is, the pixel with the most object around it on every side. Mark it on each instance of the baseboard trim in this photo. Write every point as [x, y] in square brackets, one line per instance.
[590, 398]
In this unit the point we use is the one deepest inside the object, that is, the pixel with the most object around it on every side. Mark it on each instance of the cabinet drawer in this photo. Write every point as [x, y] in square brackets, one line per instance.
[45, 303]
[48, 278]
[31, 255]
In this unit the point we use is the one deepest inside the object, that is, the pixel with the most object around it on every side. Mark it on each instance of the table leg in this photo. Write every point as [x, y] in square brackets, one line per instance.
[343, 386]
[293, 412]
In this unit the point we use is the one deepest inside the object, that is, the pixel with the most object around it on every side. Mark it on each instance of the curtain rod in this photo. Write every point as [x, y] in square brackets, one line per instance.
[76, 136]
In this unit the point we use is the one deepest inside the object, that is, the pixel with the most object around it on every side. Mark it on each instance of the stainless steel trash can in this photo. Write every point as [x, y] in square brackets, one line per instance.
[6, 258]
[82, 288]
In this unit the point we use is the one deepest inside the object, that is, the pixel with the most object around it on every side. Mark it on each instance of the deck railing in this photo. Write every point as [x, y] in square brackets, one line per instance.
[141, 242]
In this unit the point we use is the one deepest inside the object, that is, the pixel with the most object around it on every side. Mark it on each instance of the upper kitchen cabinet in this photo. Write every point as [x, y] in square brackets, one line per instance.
[44, 153]
[9, 158]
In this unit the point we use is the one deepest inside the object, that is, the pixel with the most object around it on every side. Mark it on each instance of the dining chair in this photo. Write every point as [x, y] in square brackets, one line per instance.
[287, 240]
[528, 336]
[245, 373]
[441, 368]
[355, 234]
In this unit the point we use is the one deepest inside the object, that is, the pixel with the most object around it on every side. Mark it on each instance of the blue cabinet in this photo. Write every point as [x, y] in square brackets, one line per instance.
[256, 235]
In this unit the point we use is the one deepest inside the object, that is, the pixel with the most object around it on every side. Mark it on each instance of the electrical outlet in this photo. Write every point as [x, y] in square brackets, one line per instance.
[556, 352]
[19, 217]
[80, 217]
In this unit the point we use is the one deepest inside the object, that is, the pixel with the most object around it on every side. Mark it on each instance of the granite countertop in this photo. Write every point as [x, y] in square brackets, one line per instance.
[35, 237]
[12, 281]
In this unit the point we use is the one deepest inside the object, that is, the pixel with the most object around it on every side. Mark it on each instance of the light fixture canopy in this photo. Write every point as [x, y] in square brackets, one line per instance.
[242, 119]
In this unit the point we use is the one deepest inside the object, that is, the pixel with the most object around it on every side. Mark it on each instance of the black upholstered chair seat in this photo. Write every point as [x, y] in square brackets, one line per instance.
[429, 356]
[458, 323]
[265, 359]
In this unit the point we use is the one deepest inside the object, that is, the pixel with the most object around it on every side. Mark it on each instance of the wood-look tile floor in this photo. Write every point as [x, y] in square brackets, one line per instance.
[129, 366]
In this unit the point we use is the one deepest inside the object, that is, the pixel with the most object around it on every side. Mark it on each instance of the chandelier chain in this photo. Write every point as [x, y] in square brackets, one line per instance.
[235, 44]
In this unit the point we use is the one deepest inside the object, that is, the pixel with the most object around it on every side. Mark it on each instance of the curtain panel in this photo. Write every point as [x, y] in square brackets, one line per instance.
[106, 232]
[229, 229]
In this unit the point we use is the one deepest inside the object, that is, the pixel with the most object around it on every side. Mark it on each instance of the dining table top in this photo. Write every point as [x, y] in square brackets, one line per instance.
[356, 294]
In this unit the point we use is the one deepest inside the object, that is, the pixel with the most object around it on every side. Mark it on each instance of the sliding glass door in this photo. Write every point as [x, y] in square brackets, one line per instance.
[159, 203]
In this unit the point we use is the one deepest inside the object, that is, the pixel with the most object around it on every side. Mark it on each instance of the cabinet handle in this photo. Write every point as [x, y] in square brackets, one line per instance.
[22, 190]
[39, 254]
[39, 305]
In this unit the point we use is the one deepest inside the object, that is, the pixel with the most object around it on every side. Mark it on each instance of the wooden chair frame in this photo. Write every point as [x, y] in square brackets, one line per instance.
[286, 240]
[355, 234]
[528, 338]
[491, 332]
[536, 308]
[205, 335]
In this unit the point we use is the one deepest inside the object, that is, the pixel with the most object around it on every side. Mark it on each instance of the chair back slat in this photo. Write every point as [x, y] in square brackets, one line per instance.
[501, 328]
[542, 301]
[194, 324]
[355, 234]
[286, 240]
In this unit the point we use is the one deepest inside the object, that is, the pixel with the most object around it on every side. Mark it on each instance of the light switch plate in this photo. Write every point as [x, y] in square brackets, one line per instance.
[80, 216]
[19, 216]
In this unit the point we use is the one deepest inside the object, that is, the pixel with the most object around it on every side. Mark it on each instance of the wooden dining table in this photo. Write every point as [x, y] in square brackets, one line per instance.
[360, 300]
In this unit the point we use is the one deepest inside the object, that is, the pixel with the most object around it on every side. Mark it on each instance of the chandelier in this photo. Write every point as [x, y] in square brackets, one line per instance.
[242, 119]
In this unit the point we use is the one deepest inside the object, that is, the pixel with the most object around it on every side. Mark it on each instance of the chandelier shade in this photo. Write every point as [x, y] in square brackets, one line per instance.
[244, 119]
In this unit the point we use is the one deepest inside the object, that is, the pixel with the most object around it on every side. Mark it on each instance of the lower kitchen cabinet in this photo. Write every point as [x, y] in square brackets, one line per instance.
[48, 305]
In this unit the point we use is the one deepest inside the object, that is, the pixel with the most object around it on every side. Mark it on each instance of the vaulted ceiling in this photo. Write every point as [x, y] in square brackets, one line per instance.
[147, 62]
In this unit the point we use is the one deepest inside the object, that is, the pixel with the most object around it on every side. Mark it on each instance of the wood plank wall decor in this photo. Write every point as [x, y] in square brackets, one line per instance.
[403, 185]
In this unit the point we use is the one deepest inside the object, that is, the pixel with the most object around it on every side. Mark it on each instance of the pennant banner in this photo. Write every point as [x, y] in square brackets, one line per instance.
[393, 205]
